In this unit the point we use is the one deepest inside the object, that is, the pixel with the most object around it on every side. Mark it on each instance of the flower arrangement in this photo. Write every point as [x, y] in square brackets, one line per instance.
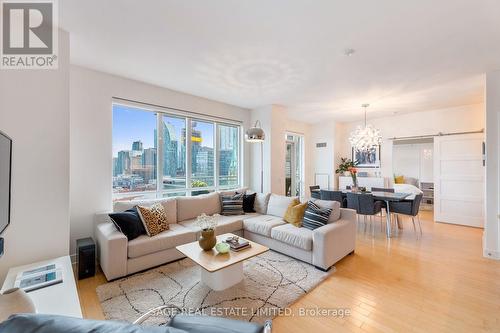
[206, 222]
[346, 165]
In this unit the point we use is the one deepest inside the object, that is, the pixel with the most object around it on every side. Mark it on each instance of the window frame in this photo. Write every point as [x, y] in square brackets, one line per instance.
[189, 117]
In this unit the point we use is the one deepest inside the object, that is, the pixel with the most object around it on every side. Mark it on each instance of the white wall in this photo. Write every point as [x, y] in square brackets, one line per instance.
[273, 120]
[261, 160]
[324, 160]
[275, 123]
[91, 94]
[457, 119]
[34, 112]
[492, 223]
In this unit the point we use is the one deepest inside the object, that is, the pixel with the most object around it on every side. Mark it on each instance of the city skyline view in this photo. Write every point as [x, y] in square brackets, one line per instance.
[136, 140]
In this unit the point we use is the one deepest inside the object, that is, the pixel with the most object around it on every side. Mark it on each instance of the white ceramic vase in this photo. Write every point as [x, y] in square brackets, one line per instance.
[15, 301]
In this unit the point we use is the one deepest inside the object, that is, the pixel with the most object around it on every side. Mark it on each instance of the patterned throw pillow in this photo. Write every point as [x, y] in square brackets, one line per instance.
[315, 217]
[232, 204]
[154, 219]
[295, 213]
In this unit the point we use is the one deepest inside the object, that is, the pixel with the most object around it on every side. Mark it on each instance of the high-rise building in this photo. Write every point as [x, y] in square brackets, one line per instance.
[228, 137]
[123, 163]
[149, 157]
[228, 167]
[196, 145]
[228, 155]
[115, 167]
[137, 145]
[170, 150]
[204, 165]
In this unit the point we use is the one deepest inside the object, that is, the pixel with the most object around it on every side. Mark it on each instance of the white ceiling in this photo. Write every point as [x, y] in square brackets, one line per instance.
[410, 55]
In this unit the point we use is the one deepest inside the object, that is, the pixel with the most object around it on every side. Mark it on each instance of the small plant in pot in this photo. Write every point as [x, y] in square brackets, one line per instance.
[207, 224]
[348, 166]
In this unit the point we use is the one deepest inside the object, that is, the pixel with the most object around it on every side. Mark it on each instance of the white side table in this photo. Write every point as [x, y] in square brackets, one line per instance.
[60, 299]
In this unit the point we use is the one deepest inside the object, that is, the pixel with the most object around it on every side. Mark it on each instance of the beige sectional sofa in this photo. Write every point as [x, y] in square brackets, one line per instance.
[321, 247]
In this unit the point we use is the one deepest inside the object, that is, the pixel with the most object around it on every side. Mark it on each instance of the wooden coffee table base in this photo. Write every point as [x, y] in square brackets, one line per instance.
[223, 278]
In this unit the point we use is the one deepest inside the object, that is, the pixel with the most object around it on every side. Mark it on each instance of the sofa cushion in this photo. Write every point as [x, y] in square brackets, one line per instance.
[212, 324]
[154, 218]
[278, 204]
[249, 202]
[333, 205]
[191, 207]
[295, 213]
[129, 223]
[232, 204]
[169, 204]
[262, 224]
[226, 224]
[261, 202]
[177, 235]
[315, 217]
[291, 235]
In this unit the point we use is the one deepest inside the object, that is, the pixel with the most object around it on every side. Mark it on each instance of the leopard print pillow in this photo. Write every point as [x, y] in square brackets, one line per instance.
[154, 219]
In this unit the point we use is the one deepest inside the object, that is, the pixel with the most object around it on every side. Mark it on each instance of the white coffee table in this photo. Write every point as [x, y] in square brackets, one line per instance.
[59, 299]
[220, 271]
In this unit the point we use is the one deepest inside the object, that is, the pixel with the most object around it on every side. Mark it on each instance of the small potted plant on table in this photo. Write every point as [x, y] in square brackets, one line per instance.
[348, 166]
[207, 224]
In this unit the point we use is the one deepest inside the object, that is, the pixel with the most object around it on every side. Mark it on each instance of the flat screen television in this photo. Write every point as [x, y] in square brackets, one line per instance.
[5, 180]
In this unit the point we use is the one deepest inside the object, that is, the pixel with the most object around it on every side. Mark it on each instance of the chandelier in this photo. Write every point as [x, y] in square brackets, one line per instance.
[367, 138]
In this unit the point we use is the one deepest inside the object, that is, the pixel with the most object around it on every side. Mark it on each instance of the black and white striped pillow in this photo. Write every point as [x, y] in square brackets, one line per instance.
[232, 204]
[315, 217]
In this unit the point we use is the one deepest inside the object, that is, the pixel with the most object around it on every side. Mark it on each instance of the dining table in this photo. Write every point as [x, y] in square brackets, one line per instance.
[386, 197]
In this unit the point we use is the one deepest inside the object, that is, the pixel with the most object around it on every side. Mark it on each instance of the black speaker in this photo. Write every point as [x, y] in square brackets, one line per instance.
[85, 248]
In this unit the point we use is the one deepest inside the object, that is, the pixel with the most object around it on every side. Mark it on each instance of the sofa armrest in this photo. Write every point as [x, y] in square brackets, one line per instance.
[334, 241]
[112, 250]
[348, 214]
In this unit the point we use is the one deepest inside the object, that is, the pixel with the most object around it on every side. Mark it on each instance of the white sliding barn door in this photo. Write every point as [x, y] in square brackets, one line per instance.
[459, 179]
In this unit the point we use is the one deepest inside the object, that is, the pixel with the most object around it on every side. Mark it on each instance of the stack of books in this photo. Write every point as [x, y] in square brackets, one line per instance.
[237, 244]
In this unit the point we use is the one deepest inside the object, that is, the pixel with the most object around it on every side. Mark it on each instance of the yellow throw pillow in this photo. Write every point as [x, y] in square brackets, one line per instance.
[295, 213]
[399, 180]
[154, 219]
[288, 213]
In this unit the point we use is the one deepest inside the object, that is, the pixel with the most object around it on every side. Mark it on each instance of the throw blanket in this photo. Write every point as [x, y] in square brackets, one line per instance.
[407, 188]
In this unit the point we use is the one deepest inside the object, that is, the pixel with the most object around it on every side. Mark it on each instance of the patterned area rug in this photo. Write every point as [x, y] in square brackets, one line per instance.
[272, 282]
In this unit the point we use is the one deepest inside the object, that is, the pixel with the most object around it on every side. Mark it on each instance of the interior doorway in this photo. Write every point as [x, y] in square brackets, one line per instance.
[294, 165]
[413, 159]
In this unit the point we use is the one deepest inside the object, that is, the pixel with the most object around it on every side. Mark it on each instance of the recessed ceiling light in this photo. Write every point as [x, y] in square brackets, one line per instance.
[349, 52]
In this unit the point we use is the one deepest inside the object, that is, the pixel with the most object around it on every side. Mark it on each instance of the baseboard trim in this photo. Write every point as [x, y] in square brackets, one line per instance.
[491, 254]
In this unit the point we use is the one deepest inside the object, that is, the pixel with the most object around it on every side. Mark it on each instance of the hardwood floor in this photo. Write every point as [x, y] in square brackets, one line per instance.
[439, 283]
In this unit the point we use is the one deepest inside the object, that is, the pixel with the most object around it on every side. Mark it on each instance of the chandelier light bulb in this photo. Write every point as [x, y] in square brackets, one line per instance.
[367, 138]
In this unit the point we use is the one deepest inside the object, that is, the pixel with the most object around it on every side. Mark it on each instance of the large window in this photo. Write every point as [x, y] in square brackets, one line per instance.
[160, 154]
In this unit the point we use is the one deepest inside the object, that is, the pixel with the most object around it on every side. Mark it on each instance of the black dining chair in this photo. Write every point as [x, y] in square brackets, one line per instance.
[315, 192]
[333, 196]
[352, 201]
[364, 204]
[368, 205]
[386, 190]
[409, 208]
